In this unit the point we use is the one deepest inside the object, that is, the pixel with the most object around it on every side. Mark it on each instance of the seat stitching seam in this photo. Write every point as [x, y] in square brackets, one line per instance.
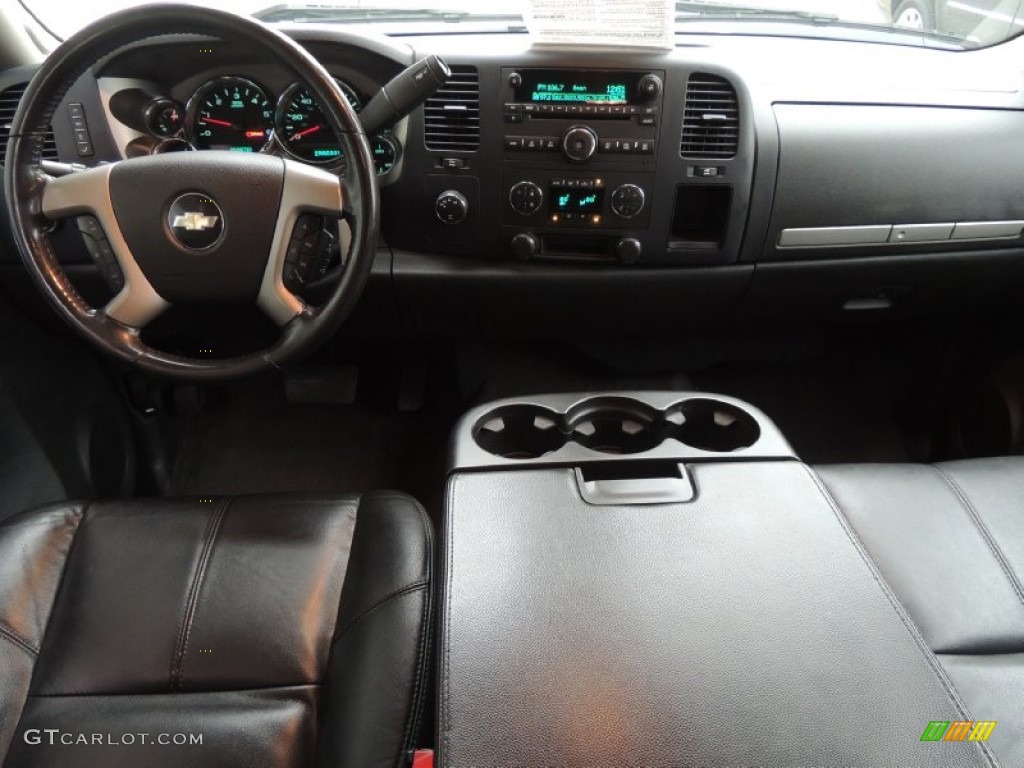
[353, 503]
[80, 519]
[8, 633]
[185, 631]
[897, 607]
[990, 541]
[411, 587]
[422, 651]
[204, 692]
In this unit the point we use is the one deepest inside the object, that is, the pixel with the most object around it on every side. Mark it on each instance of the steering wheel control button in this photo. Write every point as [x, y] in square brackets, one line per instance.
[451, 207]
[83, 141]
[627, 201]
[196, 221]
[101, 251]
[525, 197]
[304, 226]
[304, 260]
[579, 143]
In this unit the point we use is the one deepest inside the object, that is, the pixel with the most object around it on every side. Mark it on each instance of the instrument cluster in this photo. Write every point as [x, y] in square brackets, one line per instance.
[238, 114]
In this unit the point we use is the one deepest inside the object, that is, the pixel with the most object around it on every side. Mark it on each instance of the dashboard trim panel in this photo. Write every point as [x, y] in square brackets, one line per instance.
[888, 234]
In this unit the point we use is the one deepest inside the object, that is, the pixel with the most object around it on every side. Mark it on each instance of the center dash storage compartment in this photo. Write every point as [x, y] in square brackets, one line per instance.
[655, 579]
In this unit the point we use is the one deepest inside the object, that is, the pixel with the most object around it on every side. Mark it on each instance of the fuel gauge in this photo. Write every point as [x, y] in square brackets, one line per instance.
[385, 153]
[164, 118]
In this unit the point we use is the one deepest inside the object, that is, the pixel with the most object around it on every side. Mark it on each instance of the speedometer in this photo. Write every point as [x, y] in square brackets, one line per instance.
[230, 113]
[302, 128]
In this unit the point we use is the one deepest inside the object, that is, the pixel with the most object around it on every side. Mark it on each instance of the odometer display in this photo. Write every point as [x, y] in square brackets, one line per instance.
[302, 128]
[230, 113]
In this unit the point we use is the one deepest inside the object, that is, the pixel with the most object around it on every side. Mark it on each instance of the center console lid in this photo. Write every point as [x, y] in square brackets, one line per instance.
[741, 624]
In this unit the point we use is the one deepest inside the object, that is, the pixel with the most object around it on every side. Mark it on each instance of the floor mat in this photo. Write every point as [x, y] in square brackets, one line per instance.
[253, 441]
[63, 432]
[847, 406]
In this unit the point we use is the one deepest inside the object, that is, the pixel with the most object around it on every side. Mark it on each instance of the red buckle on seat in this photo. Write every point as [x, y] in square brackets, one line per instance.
[423, 758]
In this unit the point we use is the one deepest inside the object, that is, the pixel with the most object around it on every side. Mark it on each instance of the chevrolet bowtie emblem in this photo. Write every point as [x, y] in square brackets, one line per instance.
[194, 222]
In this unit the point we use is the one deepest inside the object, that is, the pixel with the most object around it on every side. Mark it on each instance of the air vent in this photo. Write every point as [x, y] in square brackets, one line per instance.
[711, 118]
[452, 115]
[9, 100]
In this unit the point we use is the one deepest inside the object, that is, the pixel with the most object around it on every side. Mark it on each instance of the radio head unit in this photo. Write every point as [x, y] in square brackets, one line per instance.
[583, 114]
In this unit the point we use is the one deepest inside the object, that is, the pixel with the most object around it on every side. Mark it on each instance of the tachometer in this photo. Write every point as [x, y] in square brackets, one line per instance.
[302, 129]
[230, 113]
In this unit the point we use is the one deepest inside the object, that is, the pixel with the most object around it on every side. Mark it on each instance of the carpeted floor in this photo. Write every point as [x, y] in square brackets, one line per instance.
[254, 441]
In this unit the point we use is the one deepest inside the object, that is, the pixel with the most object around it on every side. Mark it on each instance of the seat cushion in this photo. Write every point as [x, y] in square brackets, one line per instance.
[274, 631]
[949, 539]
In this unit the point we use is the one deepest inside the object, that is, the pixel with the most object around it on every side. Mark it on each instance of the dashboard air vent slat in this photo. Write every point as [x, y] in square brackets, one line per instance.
[9, 100]
[711, 118]
[451, 117]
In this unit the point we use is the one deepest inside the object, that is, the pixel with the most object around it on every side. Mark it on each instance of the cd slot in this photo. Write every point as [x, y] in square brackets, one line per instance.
[589, 116]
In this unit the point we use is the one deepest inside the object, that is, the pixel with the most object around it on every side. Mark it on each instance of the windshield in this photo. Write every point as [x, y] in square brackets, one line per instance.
[953, 23]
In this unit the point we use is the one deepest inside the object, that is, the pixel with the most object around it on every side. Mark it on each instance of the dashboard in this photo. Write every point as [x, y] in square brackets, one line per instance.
[726, 180]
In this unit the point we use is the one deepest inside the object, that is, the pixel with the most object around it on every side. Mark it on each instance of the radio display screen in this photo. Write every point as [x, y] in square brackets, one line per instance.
[576, 200]
[561, 86]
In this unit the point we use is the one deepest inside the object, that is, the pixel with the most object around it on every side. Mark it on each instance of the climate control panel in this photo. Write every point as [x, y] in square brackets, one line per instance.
[554, 200]
[601, 216]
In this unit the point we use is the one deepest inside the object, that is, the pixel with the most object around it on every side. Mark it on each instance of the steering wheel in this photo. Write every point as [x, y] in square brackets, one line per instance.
[190, 227]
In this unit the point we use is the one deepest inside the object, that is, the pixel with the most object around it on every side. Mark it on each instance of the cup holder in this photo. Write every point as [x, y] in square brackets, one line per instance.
[711, 425]
[615, 425]
[520, 432]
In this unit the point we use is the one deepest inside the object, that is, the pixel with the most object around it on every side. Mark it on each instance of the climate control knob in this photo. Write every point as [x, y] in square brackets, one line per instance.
[627, 201]
[525, 197]
[451, 207]
[628, 249]
[579, 143]
[524, 246]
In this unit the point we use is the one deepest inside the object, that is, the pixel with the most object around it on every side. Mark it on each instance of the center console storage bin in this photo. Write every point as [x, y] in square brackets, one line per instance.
[742, 627]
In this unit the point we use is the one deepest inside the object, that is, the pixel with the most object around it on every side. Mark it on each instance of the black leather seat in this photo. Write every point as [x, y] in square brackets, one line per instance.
[281, 631]
[949, 540]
